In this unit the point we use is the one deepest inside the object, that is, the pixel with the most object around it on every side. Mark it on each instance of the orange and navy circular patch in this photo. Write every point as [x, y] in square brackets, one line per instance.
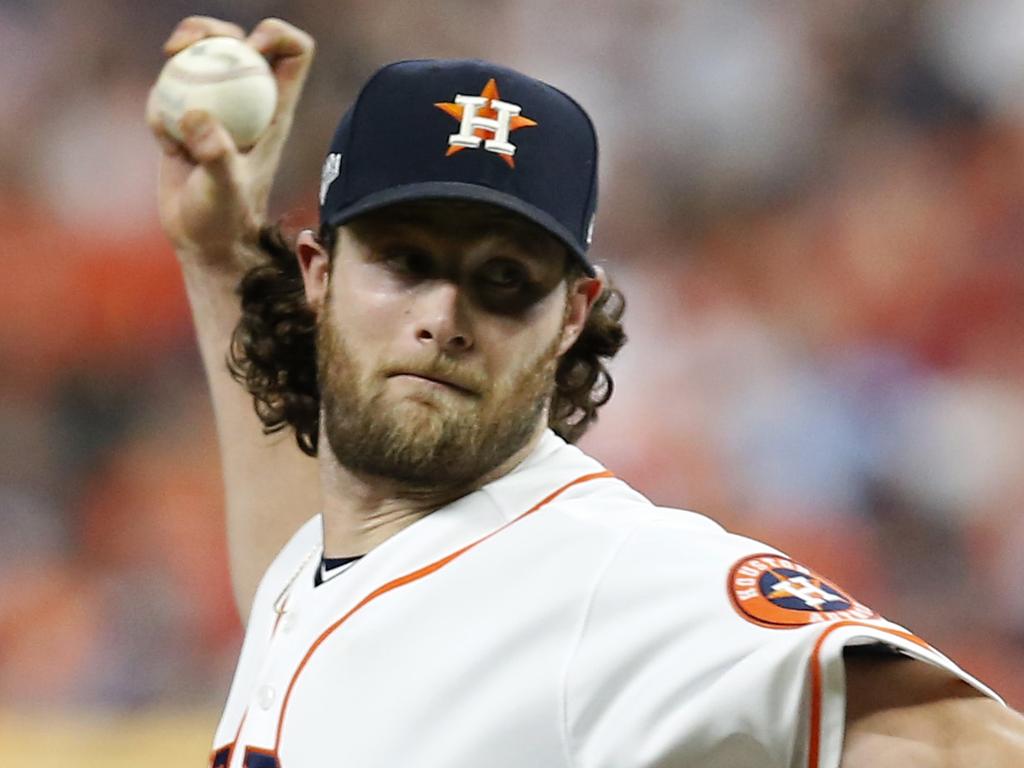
[773, 591]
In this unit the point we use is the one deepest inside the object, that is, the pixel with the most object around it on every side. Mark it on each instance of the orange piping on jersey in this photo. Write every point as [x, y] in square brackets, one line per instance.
[416, 576]
[239, 731]
[814, 742]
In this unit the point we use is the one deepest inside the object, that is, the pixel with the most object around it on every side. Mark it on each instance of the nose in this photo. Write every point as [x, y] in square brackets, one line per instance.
[440, 318]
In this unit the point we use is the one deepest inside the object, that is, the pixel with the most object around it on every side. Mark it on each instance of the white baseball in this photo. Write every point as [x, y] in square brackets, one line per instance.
[225, 77]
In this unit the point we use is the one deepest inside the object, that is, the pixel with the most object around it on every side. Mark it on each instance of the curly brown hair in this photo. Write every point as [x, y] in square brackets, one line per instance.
[273, 349]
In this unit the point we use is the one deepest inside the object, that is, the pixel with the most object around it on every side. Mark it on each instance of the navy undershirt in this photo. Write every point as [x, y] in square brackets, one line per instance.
[331, 567]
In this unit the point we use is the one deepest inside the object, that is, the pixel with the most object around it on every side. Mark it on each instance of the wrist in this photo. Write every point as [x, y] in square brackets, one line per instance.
[231, 258]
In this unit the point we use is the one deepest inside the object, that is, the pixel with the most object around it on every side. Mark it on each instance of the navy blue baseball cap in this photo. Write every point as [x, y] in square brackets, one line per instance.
[465, 130]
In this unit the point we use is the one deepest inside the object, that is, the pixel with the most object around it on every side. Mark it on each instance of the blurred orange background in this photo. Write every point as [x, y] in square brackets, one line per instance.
[816, 211]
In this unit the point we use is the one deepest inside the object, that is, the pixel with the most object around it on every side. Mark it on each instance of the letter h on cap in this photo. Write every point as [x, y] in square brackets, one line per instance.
[499, 126]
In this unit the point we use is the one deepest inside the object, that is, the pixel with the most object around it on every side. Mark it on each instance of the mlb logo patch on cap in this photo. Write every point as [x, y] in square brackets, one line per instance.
[465, 130]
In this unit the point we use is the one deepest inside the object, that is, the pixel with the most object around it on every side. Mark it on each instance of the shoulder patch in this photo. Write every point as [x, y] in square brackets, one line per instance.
[773, 591]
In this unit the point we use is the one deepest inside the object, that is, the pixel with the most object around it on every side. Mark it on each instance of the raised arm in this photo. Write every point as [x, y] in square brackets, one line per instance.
[903, 713]
[212, 202]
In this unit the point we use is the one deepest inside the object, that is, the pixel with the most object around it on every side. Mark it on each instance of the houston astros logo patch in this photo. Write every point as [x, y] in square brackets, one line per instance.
[772, 591]
[485, 119]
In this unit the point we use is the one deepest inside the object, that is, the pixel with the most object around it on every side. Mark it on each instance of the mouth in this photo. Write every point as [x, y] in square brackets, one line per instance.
[434, 381]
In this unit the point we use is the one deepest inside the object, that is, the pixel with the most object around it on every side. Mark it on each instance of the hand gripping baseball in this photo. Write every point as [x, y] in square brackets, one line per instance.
[213, 198]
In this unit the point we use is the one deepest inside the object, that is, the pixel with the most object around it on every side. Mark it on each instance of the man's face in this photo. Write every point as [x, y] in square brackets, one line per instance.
[438, 342]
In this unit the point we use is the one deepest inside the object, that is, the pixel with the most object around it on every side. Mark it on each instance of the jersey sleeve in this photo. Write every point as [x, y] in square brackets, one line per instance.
[707, 649]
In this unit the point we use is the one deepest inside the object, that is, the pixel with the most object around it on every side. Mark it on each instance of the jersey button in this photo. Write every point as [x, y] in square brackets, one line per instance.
[265, 696]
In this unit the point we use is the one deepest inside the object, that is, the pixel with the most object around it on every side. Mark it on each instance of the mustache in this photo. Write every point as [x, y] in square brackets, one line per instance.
[444, 370]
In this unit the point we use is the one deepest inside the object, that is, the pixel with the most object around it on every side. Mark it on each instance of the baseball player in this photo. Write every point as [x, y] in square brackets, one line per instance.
[466, 588]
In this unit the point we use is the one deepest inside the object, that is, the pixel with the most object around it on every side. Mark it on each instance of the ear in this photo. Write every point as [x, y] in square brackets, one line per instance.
[584, 292]
[315, 265]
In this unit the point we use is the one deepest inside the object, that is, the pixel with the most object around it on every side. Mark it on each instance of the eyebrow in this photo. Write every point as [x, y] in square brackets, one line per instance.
[520, 245]
[469, 225]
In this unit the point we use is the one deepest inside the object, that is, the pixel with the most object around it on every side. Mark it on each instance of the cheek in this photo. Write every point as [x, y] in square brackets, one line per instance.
[366, 307]
[516, 345]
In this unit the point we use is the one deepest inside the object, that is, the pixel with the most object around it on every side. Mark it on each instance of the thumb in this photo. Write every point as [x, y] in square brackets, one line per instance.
[211, 146]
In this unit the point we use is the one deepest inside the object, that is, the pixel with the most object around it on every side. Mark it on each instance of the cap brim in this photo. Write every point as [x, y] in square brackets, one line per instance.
[453, 190]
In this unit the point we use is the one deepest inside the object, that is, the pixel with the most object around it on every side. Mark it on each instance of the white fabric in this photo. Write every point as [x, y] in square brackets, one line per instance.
[595, 632]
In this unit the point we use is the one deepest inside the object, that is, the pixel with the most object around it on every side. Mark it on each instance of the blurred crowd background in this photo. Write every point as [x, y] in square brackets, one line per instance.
[815, 210]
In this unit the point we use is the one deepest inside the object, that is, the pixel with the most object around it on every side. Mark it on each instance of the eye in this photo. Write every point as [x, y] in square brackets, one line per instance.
[506, 286]
[409, 262]
[504, 274]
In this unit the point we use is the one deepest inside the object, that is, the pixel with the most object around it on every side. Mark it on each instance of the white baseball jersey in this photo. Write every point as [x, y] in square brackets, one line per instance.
[554, 617]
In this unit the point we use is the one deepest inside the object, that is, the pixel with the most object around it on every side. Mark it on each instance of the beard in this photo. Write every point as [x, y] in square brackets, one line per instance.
[434, 439]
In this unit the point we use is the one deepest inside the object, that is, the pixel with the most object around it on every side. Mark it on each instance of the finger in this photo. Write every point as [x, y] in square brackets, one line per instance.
[210, 145]
[290, 51]
[170, 146]
[195, 28]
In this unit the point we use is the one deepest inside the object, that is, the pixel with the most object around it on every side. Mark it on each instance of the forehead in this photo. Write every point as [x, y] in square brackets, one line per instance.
[463, 222]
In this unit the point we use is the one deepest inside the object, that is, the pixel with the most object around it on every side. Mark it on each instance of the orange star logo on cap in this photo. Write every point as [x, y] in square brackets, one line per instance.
[486, 121]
